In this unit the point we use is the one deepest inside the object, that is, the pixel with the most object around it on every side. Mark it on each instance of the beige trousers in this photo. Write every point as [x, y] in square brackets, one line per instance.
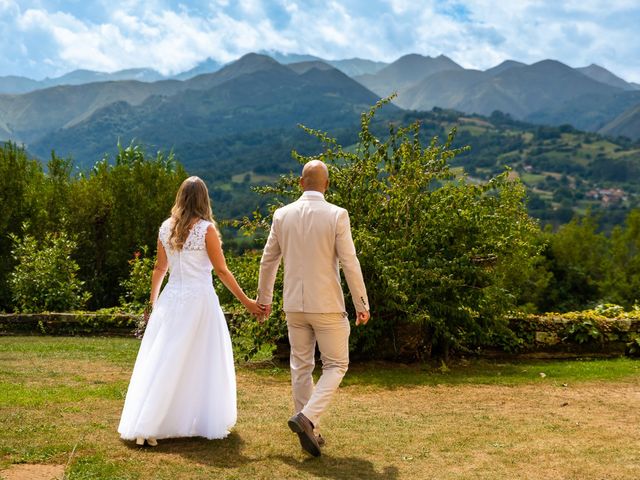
[331, 331]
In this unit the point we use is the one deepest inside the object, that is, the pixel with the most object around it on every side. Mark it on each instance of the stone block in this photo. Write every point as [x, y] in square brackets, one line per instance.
[548, 338]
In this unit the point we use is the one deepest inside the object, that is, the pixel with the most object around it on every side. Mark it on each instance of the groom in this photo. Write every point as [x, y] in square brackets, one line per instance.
[312, 235]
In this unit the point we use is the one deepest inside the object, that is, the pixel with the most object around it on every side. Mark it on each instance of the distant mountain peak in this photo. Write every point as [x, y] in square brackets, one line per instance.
[511, 63]
[405, 71]
[602, 75]
[251, 62]
[208, 65]
[303, 67]
[416, 60]
[549, 63]
[286, 58]
[410, 56]
[248, 64]
[504, 66]
[253, 57]
[546, 68]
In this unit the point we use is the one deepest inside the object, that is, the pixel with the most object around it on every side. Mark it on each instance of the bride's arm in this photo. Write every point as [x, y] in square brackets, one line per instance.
[159, 271]
[214, 250]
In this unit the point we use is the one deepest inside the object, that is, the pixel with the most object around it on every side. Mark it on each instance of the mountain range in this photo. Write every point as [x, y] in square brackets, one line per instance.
[547, 92]
[255, 93]
[13, 84]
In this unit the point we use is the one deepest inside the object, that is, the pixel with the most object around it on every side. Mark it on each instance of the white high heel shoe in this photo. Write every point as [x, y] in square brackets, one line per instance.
[139, 441]
[152, 442]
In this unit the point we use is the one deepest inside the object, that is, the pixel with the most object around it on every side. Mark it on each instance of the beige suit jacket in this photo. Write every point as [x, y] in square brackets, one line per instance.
[313, 237]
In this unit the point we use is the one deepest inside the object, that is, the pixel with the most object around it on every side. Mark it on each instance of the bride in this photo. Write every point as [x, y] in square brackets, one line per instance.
[183, 382]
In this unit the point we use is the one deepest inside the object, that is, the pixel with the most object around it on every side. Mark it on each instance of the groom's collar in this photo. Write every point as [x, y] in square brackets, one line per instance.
[312, 194]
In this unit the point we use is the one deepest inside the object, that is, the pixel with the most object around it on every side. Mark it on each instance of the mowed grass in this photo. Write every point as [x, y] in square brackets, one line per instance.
[61, 398]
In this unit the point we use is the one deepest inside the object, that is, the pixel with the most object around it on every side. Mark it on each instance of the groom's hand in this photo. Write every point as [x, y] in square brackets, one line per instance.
[265, 312]
[362, 318]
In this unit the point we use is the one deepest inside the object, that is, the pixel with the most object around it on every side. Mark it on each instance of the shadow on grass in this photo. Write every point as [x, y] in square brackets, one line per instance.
[490, 372]
[328, 466]
[223, 453]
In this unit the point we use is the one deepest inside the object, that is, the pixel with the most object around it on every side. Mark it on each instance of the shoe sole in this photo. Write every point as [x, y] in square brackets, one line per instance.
[305, 442]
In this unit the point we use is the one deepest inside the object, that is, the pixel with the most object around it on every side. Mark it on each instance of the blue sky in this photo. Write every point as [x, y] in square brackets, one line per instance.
[41, 38]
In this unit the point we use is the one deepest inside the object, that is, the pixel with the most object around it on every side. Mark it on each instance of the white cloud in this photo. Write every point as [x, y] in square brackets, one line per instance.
[173, 35]
[9, 7]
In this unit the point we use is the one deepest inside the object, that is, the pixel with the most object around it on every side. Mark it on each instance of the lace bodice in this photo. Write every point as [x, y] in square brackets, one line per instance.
[195, 239]
[190, 268]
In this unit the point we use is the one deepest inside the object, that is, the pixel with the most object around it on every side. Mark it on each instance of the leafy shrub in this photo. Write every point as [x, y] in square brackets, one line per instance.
[137, 285]
[609, 310]
[583, 332]
[248, 335]
[633, 348]
[44, 278]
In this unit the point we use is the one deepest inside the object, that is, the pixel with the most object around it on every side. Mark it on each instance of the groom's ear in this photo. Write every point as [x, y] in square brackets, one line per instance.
[302, 183]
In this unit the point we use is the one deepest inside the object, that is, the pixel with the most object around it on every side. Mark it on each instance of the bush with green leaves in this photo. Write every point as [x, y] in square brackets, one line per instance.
[137, 285]
[632, 348]
[622, 285]
[248, 335]
[578, 259]
[45, 276]
[585, 331]
[437, 250]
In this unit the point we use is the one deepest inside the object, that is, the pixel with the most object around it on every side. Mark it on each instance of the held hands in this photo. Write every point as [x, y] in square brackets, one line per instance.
[362, 318]
[265, 313]
[255, 308]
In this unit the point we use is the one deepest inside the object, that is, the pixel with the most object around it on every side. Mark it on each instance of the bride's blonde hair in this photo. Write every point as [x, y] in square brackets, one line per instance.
[192, 201]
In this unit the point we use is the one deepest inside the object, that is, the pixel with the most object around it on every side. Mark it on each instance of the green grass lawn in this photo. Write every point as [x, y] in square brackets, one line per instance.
[61, 398]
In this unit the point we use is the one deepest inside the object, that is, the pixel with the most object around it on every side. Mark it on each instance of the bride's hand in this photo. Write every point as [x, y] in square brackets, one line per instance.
[255, 308]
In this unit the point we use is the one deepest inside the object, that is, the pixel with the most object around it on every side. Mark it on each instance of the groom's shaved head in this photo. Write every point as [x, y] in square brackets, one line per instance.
[315, 176]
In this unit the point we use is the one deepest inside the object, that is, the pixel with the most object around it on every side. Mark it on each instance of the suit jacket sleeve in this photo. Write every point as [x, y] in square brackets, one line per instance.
[269, 266]
[346, 251]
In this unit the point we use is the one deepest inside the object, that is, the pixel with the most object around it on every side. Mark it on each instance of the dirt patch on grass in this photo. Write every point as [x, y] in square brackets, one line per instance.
[33, 472]
[44, 372]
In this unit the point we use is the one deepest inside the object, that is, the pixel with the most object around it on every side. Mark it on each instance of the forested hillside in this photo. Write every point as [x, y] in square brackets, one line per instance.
[566, 171]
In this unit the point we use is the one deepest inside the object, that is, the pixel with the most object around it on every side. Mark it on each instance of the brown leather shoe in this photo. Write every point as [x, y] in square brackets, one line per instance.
[304, 428]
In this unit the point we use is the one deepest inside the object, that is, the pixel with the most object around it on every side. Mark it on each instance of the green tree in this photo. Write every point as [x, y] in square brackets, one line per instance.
[116, 210]
[437, 251]
[21, 200]
[56, 193]
[578, 260]
[623, 279]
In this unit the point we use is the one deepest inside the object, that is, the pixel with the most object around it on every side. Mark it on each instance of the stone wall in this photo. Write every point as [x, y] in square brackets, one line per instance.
[112, 324]
[552, 335]
[575, 333]
[78, 323]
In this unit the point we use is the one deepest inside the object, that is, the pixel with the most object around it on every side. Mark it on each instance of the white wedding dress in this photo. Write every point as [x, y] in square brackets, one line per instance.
[183, 382]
